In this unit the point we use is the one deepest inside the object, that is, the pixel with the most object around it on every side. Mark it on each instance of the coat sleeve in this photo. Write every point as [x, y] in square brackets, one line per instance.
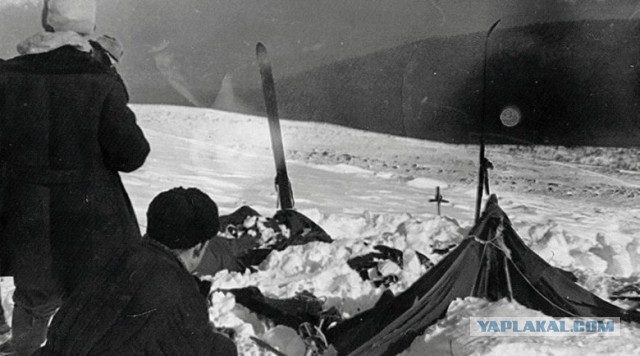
[123, 143]
[225, 253]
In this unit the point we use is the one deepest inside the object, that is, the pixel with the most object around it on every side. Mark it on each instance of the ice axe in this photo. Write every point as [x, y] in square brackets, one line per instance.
[438, 199]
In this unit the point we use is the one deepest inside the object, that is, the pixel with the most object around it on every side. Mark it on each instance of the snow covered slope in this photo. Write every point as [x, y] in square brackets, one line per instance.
[366, 189]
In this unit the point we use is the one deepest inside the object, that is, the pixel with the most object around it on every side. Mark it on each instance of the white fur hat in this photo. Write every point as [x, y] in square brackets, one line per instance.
[69, 15]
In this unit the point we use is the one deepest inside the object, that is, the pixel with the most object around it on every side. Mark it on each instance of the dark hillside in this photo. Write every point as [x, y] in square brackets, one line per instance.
[575, 83]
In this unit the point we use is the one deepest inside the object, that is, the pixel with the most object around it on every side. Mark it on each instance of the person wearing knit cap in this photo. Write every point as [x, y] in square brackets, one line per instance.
[65, 211]
[146, 301]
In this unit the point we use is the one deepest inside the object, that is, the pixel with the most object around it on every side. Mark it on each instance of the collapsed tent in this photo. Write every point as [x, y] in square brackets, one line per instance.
[304, 307]
[493, 263]
[382, 265]
[246, 238]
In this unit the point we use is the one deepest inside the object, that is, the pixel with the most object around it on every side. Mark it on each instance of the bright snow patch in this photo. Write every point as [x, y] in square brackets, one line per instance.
[426, 183]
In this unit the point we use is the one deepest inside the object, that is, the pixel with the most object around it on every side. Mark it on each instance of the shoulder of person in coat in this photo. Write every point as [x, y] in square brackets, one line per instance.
[104, 57]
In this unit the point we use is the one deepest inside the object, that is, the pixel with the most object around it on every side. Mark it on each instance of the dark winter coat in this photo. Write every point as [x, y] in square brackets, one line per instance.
[4, 265]
[144, 303]
[65, 133]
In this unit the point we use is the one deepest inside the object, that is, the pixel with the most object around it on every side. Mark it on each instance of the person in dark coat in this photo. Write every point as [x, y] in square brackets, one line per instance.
[147, 302]
[66, 131]
[4, 327]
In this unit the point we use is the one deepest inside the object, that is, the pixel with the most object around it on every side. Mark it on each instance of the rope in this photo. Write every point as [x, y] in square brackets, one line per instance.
[506, 272]
[484, 249]
[540, 293]
[507, 257]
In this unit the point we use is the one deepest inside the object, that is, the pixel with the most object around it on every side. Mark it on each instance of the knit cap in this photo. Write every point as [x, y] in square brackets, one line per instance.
[182, 218]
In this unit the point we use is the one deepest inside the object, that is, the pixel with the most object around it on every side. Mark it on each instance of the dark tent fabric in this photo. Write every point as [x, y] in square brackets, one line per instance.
[241, 244]
[291, 312]
[493, 263]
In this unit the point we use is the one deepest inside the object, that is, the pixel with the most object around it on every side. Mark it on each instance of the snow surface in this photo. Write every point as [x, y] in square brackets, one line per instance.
[365, 189]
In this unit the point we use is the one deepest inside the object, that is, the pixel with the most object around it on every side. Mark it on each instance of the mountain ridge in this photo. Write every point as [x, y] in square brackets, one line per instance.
[432, 88]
